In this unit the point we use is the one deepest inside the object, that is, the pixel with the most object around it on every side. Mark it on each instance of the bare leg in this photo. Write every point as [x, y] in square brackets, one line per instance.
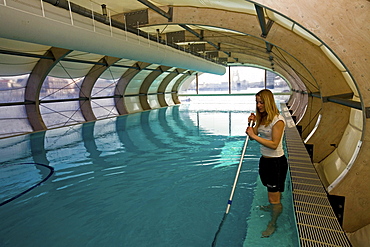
[266, 208]
[277, 208]
[270, 229]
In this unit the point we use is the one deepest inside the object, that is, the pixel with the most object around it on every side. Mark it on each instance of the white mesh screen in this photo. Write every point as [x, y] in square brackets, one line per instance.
[61, 113]
[13, 120]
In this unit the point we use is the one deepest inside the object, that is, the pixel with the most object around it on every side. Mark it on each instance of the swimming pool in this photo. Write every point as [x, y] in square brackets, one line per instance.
[156, 178]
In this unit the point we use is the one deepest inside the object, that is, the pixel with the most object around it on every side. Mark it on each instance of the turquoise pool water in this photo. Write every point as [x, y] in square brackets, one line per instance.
[157, 178]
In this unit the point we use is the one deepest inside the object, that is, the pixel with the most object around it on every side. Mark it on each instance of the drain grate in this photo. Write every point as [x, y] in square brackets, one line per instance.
[314, 209]
[311, 198]
[305, 174]
[306, 180]
[316, 221]
[297, 186]
[299, 168]
[322, 237]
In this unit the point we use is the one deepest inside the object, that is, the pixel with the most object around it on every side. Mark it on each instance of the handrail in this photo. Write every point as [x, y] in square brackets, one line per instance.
[104, 19]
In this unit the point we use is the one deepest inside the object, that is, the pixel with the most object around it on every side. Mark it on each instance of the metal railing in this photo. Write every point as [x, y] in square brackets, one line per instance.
[107, 17]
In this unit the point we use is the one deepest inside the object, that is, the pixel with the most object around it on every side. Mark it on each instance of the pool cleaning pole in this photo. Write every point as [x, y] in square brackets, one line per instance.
[237, 173]
[233, 189]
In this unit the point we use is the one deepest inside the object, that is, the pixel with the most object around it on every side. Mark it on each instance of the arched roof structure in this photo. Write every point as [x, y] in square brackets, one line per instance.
[129, 56]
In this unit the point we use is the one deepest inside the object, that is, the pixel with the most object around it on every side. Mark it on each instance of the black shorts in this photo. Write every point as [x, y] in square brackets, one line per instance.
[273, 173]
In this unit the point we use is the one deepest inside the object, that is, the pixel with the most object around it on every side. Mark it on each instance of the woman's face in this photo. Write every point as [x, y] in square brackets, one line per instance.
[260, 104]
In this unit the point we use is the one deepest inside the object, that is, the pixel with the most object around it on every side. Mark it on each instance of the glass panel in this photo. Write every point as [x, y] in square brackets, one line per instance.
[133, 104]
[183, 85]
[13, 121]
[113, 73]
[12, 88]
[213, 84]
[60, 88]
[134, 86]
[106, 84]
[153, 101]
[157, 82]
[69, 70]
[275, 83]
[243, 80]
[169, 100]
[61, 113]
[281, 98]
[189, 86]
[104, 108]
[103, 87]
[247, 79]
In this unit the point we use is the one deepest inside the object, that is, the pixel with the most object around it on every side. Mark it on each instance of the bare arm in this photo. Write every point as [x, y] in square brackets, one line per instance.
[277, 133]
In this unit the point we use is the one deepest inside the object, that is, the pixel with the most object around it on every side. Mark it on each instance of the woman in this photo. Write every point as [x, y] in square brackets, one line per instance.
[273, 164]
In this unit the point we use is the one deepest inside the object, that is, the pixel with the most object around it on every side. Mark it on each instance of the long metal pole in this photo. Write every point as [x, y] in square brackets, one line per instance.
[233, 189]
[237, 175]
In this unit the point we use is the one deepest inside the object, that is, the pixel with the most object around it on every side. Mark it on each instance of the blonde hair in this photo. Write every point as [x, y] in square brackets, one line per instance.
[271, 109]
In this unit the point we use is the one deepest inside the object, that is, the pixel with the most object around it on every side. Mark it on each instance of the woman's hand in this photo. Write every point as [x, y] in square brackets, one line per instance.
[252, 118]
[250, 132]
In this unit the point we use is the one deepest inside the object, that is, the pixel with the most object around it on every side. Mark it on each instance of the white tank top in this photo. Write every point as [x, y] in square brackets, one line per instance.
[266, 132]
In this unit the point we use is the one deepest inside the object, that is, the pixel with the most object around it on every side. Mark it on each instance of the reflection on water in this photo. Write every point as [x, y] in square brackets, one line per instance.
[157, 178]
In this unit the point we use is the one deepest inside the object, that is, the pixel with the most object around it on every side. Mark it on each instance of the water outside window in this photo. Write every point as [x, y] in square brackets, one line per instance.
[236, 80]
[239, 81]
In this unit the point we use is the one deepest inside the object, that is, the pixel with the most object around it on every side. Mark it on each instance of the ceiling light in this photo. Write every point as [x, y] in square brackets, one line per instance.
[191, 43]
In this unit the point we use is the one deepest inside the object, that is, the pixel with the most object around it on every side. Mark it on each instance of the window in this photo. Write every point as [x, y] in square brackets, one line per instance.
[236, 80]
[241, 81]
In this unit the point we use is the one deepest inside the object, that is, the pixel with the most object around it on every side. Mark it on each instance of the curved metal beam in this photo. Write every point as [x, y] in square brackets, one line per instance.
[121, 86]
[159, 10]
[88, 84]
[265, 27]
[176, 86]
[34, 84]
[162, 87]
[145, 85]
